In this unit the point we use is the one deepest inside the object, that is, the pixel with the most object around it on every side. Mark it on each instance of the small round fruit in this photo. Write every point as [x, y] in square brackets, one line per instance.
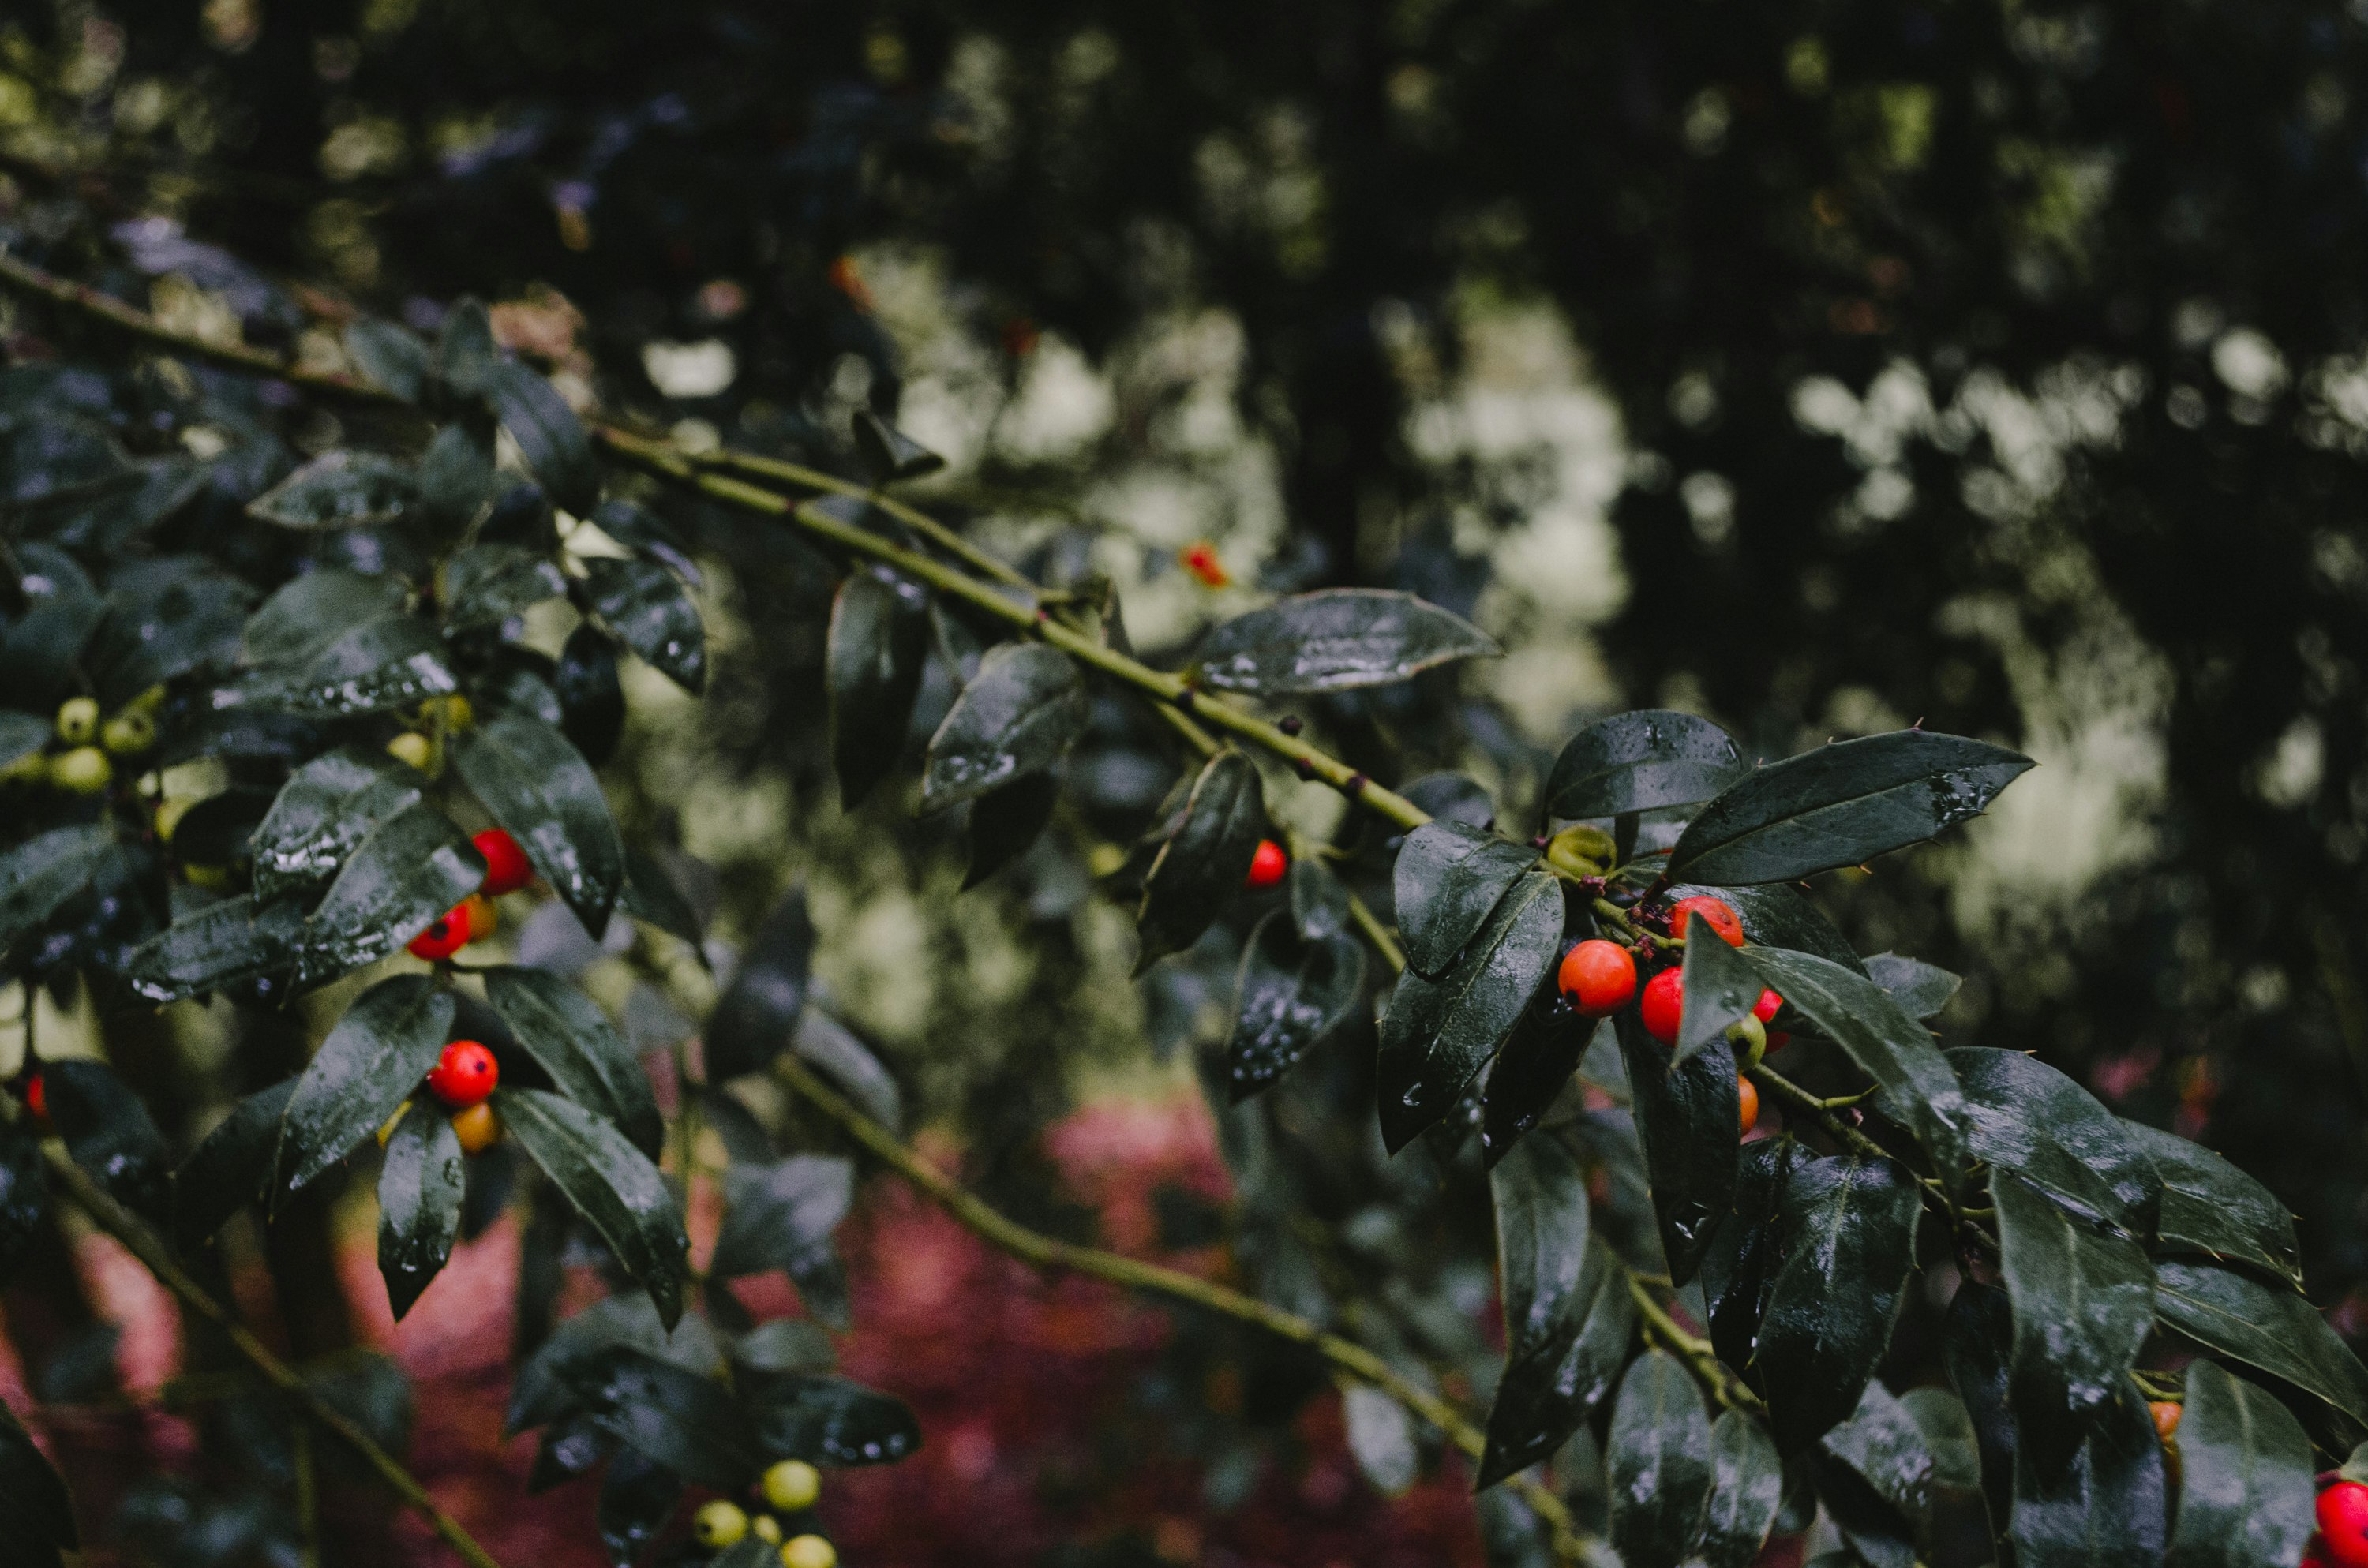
[1750, 1037]
[464, 1074]
[411, 746]
[444, 938]
[477, 1128]
[36, 1097]
[1765, 1008]
[128, 733]
[766, 1529]
[2343, 1522]
[1716, 913]
[792, 1484]
[169, 813]
[82, 771]
[808, 1552]
[1267, 866]
[484, 920]
[506, 864]
[1664, 1003]
[1747, 1094]
[1599, 977]
[2166, 1413]
[719, 1524]
[77, 720]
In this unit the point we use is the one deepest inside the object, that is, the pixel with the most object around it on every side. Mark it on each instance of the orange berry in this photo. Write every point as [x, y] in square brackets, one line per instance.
[1748, 1093]
[464, 1074]
[1599, 977]
[478, 911]
[478, 1129]
[1267, 866]
[1716, 913]
[1200, 558]
[2166, 1416]
[1664, 1004]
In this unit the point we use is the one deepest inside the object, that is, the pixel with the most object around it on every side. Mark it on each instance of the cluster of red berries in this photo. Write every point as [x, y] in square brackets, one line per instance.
[1599, 978]
[2342, 1537]
[472, 918]
[462, 1080]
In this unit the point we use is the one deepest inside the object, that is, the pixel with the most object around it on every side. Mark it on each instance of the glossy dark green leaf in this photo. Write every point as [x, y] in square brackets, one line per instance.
[340, 490]
[368, 1064]
[877, 649]
[842, 1056]
[33, 1498]
[1640, 762]
[1657, 1455]
[1015, 718]
[1552, 1281]
[391, 356]
[1448, 879]
[785, 1344]
[758, 1013]
[38, 876]
[1747, 1486]
[405, 876]
[2246, 1489]
[1912, 1456]
[230, 1168]
[487, 584]
[1688, 1120]
[308, 613]
[1201, 867]
[664, 1412]
[638, 1496]
[1336, 640]
[2083, 1300]
[544, 1389]
[465, 354]
[829, 1421]
[1777, 915]
[1849, 1228]
[612, 1184]
[1921, 988]
[220, 830]
[2273, 1329]
[456, 477]
[1320, 900]
[549, 437]
[164, 619]
[539, 787]
[1739, 1266]
[652, 894]
[2103, 1509]
[1543, 1398]
[23, 1194]
[420, 1186]
[324, 810]
[2212, 1208]
[590, 698]
[1287, 995]
[1977, 1337]
[1720, 989]
[651, 613]
[1530, 1073]
[1006, 824]
[1452, 797]
[1892, 1048]
[781, 1214]
[647, 534]
[227, 943]
[568, 1035]
[393, 661]
[1438, 1034]
[1841, 805]
[109, 1133]
[2026, 1116]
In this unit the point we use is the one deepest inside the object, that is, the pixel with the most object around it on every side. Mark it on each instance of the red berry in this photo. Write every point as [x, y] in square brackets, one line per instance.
[2343, 1522]
[1716, 913]
[1664, 1003]
[1765, 1008]
[444, 938]
[1599, 977]
[36, 1097]
[464, 1074]
[1267, 866]
[506, 867]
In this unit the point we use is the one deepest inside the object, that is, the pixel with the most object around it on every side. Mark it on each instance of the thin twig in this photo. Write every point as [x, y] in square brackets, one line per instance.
[1696, 1352]
[1050, 1253]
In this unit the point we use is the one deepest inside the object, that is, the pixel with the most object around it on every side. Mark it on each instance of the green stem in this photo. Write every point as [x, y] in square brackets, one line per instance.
[1696, 1352]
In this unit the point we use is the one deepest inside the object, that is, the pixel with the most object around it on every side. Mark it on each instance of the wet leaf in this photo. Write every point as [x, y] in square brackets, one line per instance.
[227, 943]
[1848, 1227]
[877, 649]
[648, 535]
[829, 1421]
[549, 437]
[1537, 1061]
[456, 477]
[1922, 989]
[1201, 867]
[38, 876]
[340, 490]
[544, 1389]
[368, 1064]
[1739, 1266]
[487, 584]
[1777, 915]
[420, 1187]
[2272, 1329]
[667, 1414]
[638, 1496]
[406, 875]
[1336, 640]
[1005, 824]
[2246, 1491]
[391, 356]
[109, 1133]
[324, 810]
[1721, 988]
[826, 1044]
[590, 698]
[1688, 1120]
[888, 454]
[612, 1184]
[308, 613]
[1287, 995]
[465, 354]
[1016, 717]
[2083, 1300]
[651, 613]
[758, 1011]
[1452, 797]
[1978, 1335]
[1659, 1456]
[652, 894]
[24, 1194]
[1553, 1285]
[568, 1035]
[393, 661]
[1438, 1034]
[165, 618]
[539, 788]
[1746, 1485]
[1319, 901]
[1841, 805]
[1890, 1443]
[2209, 1208]
[2104, 1509]
[1381, 1438]
[1448, 879]
[781, 1215]
[2025, 1116]
[230, 1168]
[1641, 762]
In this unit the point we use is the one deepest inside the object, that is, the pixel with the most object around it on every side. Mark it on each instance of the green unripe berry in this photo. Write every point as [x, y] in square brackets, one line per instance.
[1750, 1037]
[719, 1524]
[808, 1552]
[766, 1529]
[128, 733]
[77, 720]
[82, 771]
[792, 1484]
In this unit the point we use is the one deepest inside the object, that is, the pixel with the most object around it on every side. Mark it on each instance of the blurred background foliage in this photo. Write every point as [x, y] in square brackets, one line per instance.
[1822, 367]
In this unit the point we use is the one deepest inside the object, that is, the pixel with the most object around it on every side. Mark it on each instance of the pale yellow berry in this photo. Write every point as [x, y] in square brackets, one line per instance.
[719, 1524]
[792, 1484]
[808, 1552]
[84, 771]
[169, 812]
[77, 720]
[411, 746]
[766, 1529]
[128, 733]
